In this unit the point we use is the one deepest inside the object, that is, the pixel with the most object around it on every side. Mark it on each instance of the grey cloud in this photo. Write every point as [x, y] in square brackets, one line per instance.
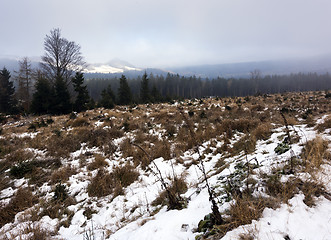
[165, 33]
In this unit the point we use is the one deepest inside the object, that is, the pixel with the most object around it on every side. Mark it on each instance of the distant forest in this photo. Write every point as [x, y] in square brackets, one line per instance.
[174, 86]
[59, 86]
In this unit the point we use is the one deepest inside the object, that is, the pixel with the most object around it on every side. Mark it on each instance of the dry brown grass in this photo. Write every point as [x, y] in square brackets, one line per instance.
[63, 145]
[101, 185]
[62, 175]
[30, 231]
[58, 209]
[125, 175]
[243, 211]
[37, 171]
[140, 137]
[98, 162]
[262, 131]
[312, 189]
[36, 232]
[246, 144]
[246, 209]
[11, 144]
[324, 125]
[19, 155]
[177, 186]
[13, 158]
[78, 122]
[246, 236]
[161, 149]
[105, 183]
[283, 191]
[102, 138]
[205, 132]
[139, 157]
[22, 200]
[314, 153]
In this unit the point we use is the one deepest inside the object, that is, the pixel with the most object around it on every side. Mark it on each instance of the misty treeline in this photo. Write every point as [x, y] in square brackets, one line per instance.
[58, 86]
[173, 86]
[82, 94]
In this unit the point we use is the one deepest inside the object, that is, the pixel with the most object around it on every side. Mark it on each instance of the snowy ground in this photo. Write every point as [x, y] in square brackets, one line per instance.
[130, 216]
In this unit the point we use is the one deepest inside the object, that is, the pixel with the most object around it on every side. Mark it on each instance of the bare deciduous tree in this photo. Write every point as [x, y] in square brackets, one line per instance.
[255, 76]
[62, 57]
[24, 80]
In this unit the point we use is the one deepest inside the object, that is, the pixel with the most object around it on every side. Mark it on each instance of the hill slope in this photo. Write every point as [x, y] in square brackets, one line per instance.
[101, 174]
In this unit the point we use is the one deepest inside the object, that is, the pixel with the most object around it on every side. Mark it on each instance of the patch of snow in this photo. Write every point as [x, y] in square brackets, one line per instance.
[295, 220]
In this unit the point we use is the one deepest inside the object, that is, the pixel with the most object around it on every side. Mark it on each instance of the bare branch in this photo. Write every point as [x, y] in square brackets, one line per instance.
[62, 57]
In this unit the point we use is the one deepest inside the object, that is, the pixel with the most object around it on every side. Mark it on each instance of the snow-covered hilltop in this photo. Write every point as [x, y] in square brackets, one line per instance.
[113, 66]
[102, 174]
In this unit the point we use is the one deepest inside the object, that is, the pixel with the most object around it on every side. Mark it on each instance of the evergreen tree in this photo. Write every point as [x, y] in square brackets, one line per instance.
[155, 95]
[124, 92]
[144, 89]
[107, 98]
[82, 97]
[42, 99]
[90, 104]
[7, 91]
[62, 103]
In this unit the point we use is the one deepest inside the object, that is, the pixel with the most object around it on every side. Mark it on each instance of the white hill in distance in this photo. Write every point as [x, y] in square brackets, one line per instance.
[114, 66]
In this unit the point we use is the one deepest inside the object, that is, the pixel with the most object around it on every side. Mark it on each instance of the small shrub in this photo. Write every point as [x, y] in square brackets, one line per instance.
[207, 223]
[177, 187]
[21, 169]
[282, 147]
[98, 137]
[170, 130]
[274, 186]
[49, 120]
[73, 115]
[126, 126]
[125, 175]
[203, 114]
[79, 122]
[60, 193]
[42, 123]
[56, 209]
[88, 212]
[101, 185]
[57, 132]
[32, 127]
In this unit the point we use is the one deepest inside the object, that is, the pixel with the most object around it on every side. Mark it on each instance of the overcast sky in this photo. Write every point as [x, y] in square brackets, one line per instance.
[161, 33]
